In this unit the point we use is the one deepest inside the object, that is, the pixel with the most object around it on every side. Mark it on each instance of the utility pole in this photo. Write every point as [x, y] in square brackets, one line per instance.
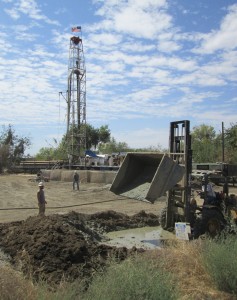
[223, 143]
[76, 98]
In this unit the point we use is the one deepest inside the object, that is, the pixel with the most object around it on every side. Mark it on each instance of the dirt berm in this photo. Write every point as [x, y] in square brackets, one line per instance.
[67, 247]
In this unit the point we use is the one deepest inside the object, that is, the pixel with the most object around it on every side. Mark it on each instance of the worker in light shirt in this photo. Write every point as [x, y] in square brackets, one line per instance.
[209, 193]
[41, 199]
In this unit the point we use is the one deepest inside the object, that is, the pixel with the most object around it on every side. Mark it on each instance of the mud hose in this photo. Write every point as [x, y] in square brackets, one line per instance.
[57, 207]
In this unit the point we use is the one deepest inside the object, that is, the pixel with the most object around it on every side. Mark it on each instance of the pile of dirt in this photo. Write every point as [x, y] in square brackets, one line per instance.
[67, 247]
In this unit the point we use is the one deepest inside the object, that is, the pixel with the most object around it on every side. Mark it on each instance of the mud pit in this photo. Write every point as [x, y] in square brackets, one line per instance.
[69, 242]
[67, 246]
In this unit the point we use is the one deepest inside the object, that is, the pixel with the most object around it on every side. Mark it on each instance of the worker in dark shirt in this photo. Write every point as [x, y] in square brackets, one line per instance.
[76, 180]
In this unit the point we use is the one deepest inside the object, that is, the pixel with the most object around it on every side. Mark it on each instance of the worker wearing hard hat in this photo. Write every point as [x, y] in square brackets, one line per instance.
[41, 199]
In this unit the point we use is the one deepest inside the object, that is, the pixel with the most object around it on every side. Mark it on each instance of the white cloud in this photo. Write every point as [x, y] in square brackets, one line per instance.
[143, 19]
[223, 39]
[140, 67]
[29, 8]
[137, 46]
[168, 46]
[105, 39]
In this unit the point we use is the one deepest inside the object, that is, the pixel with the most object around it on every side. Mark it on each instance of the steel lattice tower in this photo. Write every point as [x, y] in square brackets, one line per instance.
[76, 100]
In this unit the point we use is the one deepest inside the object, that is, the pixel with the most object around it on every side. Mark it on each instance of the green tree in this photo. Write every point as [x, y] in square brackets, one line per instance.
[113, 146]
[59, 151]
[46, 153]
[205, 144]
[104, 134]
[12, 147]
[156, 149]
[56, 151]
[231, 143]
[92, 137]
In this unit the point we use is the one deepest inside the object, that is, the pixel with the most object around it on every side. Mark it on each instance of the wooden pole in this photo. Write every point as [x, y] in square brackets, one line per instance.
[223, 143]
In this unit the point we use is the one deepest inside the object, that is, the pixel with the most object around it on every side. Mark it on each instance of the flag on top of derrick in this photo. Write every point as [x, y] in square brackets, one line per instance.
[76, 29]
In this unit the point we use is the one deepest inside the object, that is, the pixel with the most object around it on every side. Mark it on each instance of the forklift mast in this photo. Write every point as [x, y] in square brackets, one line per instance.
[178, 198]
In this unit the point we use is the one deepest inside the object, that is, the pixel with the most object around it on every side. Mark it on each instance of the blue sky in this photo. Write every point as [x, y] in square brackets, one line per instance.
[148, 62]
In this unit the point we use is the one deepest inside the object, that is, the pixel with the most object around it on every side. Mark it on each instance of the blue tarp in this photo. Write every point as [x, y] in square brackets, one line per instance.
[90, 153]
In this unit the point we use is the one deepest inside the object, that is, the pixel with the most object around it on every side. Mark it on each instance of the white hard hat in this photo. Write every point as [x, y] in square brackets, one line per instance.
[41, 184]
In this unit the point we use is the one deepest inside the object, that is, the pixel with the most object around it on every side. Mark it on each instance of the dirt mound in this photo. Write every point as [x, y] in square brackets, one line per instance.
[112, 221]
[67, 246]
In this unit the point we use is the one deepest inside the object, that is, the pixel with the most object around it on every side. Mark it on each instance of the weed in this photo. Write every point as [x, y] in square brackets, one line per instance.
[219, 258]
[133, 279]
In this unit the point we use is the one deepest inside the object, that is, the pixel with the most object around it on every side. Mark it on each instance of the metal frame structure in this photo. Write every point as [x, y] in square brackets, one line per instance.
[76, 100]
[178, 198]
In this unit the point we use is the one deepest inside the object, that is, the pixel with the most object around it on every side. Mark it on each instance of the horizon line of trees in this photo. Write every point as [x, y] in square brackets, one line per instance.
[207, 145]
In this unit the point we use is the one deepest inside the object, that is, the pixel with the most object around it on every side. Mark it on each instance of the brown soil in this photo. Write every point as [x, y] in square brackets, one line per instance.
[19, 191]
[66, 246]
[68, 242]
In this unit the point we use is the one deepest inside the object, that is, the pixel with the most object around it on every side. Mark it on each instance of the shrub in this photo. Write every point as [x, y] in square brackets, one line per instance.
[220, 261]
[133, 279]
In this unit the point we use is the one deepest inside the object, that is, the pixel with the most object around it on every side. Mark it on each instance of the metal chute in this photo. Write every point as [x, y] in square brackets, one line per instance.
[146, 176]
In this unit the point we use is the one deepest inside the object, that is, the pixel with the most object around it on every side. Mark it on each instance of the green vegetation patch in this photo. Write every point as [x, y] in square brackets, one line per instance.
[220, 261]
[133, 279]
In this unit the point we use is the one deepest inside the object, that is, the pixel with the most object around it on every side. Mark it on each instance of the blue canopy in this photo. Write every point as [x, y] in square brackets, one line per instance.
[90, 153]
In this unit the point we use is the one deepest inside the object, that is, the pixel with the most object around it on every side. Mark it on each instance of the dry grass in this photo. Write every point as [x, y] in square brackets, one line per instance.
[14, 286]
[184, 260]
[135, 279]
[181, 259]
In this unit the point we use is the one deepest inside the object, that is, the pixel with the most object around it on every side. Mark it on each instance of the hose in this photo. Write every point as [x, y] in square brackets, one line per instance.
[66, 206]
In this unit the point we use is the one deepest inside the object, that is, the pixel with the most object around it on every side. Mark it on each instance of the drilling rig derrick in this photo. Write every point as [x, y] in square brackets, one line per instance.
[76, 100]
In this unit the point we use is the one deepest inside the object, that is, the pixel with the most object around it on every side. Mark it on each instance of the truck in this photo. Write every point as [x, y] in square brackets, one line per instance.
[218, 172]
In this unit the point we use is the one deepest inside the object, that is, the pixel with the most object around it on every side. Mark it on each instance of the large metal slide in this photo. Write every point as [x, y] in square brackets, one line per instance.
[148, 176]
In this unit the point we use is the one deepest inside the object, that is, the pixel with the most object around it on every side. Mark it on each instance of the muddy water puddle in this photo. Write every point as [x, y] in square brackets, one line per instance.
[147, 238]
